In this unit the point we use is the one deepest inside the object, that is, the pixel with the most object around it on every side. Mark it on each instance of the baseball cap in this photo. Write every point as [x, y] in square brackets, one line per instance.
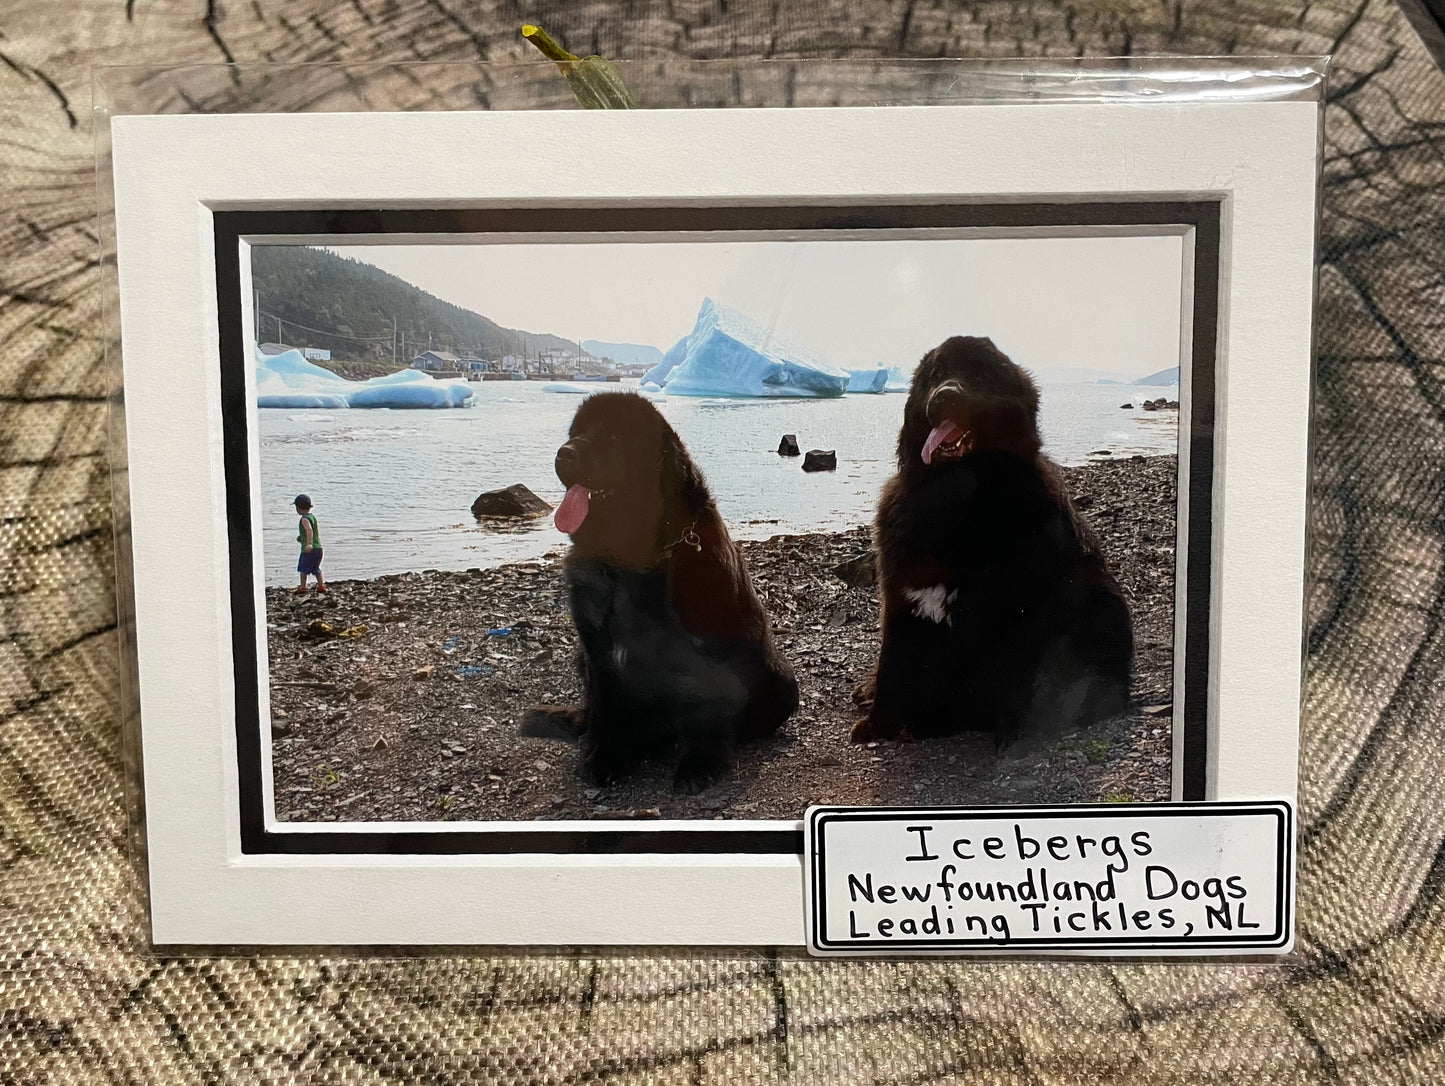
[302, 499]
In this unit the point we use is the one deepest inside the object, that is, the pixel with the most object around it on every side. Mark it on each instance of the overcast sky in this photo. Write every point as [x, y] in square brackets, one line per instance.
[1108, 304]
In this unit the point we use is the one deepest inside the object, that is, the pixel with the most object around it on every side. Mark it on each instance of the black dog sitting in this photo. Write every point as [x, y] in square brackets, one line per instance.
[676, 651]
[998, 611]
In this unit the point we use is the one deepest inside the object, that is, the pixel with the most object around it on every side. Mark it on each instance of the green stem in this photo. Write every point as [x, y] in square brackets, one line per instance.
[547, 44]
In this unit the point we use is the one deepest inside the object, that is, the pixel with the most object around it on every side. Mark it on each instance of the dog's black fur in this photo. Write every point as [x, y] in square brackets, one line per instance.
[999, 613]
[676, 651]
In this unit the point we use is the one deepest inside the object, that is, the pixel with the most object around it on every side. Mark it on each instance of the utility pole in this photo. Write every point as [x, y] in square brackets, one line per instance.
[393, 341]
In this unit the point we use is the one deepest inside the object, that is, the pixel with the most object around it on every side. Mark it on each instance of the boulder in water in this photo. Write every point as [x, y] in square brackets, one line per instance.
[513, 501]
[789, 446]
[820, 460]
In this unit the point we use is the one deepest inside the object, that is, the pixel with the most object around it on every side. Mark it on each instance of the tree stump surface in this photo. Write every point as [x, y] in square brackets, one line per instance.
[1360, 1001]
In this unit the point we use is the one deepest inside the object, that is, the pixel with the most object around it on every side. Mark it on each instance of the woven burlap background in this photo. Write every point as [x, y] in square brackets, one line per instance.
[82, 1000]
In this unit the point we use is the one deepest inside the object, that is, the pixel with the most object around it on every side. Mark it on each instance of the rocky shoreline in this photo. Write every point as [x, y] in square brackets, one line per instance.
[398, 698]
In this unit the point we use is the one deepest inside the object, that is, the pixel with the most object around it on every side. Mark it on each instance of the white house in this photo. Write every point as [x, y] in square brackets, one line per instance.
[317, 354]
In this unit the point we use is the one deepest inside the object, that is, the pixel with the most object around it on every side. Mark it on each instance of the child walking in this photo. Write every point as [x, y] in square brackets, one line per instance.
[309, 536]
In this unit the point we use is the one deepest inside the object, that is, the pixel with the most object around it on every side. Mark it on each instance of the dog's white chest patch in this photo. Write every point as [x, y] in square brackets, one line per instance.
[932, 603]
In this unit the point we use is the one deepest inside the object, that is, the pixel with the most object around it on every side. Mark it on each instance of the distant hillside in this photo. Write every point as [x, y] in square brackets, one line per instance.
[625, 353]
[334, 302]
[1163, 377]
[1075, 375]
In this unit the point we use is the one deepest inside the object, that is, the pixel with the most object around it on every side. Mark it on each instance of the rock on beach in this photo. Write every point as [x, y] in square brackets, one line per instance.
[512, 501]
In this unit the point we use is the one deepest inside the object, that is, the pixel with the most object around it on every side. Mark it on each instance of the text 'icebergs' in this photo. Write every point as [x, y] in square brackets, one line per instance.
[288, 380]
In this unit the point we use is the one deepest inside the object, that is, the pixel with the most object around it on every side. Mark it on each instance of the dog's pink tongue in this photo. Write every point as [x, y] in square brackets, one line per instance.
[573, 510]
[945, 431]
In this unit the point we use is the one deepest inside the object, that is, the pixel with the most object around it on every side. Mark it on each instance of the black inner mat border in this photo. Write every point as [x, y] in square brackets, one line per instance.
[230, 227]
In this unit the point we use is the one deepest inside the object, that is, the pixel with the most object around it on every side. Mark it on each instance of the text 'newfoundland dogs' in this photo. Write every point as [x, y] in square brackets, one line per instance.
[998, 612]
[676, 652]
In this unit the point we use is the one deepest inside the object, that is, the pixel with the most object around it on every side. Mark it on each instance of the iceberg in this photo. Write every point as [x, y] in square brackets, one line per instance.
[898, 381]
[587, 388]
[868, 380]
[289, 380]
[409, 389]
[670, 361]
[729, 355]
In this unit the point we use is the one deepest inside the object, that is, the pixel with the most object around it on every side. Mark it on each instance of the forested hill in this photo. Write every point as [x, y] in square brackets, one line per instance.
[331, 301]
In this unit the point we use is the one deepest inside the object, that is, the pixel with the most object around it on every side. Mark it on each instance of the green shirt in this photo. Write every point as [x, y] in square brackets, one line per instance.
[301, 530]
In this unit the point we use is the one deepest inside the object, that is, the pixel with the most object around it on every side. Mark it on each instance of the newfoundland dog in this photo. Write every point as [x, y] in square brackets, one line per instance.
[676, 652]
[999, 614]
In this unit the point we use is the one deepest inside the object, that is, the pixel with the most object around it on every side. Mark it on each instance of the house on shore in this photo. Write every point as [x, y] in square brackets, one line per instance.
[436, 362]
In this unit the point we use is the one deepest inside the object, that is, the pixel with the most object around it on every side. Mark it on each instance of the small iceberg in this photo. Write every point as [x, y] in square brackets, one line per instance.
[288, 380]
[729, 355]
[873, 380]
[581, 388]
[879, 379]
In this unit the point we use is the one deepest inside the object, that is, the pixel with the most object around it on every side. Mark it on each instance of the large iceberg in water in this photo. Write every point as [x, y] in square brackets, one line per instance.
[670, 361]
[728, 355]
[288, 380]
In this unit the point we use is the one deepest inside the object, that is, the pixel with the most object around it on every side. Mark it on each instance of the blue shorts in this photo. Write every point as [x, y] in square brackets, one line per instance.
[310, 561]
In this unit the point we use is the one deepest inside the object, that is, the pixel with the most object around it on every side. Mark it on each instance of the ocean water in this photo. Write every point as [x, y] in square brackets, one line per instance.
[393, 489]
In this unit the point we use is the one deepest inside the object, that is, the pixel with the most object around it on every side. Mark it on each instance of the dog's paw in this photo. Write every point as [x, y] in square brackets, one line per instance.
[605, 769]
[564, 722]
[697, 773]
[1011, 747]
[864, 692]
[869, 730]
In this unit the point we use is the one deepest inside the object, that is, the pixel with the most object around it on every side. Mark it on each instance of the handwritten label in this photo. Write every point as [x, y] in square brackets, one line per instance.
[1151, 879]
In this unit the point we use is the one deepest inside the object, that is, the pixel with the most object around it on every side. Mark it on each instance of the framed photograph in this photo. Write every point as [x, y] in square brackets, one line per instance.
[523, 542]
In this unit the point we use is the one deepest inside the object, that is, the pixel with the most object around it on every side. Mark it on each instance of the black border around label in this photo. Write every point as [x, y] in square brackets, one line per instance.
[1204, 216]
[818, 819]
